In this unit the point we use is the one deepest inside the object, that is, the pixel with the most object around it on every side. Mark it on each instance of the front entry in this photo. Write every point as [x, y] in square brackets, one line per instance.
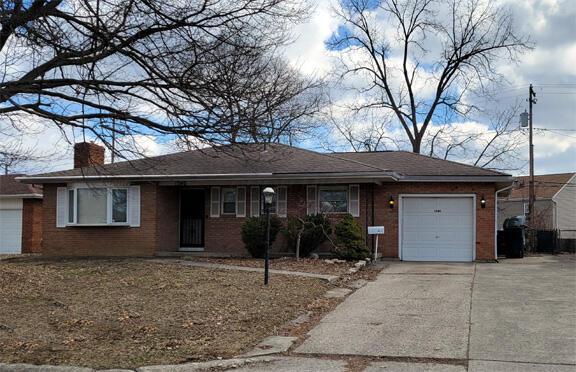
[192, 218]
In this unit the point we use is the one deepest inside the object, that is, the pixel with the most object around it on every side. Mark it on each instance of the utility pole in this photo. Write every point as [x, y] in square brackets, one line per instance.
[531, 196]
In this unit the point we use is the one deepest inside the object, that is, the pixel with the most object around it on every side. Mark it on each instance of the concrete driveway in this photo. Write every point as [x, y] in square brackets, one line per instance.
[514, 315]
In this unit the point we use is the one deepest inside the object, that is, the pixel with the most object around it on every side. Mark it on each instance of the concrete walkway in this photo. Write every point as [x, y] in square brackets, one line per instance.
[210, 265]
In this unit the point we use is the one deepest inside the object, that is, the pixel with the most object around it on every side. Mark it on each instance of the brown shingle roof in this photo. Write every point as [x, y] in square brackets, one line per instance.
[545, 185]
[9, 186]
[411, 164]
[277, 159]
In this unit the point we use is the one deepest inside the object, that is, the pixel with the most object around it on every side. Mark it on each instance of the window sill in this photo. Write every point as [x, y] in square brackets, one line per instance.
[98, 225]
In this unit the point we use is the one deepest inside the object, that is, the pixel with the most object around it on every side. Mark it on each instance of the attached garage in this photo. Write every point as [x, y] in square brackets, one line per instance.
[10, 226]
[20, 216]
[437, 227]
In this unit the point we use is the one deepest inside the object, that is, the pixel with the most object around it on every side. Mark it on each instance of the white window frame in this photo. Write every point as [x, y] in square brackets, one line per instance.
[109, 201]
[526, 208]
[255, 202]
[222, 191]
[354, 200]
[333, 187]
[241, 201]
[283, 202]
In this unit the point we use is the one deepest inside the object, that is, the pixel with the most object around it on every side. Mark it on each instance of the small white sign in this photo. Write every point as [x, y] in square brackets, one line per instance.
[375, 230]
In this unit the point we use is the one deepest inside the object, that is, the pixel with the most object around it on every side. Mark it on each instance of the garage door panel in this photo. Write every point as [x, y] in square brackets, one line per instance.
[10, 231]
[454, 205]
[419, 207]
[437, 228]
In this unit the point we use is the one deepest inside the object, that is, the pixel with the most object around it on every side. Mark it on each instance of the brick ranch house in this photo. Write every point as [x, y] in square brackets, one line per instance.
[197, 201]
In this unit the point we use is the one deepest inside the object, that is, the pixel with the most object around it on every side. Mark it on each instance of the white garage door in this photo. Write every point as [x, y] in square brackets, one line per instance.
[10, 226]
[437, 229]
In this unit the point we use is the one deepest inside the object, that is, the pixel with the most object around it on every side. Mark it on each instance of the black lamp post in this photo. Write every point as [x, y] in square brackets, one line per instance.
[268, 198]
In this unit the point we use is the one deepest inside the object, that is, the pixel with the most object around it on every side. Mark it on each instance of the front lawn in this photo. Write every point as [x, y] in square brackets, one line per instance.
[129, 312]
[309, 265]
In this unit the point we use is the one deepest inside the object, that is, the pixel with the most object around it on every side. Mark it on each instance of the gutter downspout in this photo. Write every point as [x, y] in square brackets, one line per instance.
[496, 220]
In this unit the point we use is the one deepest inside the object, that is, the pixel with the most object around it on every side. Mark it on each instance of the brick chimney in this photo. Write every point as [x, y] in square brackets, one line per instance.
[87, 154]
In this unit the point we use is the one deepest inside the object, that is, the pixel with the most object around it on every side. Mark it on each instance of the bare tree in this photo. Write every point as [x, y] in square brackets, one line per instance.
[16, 157]
[262, 99]
[421, 58]
[363, 130]
[496, 148]
[90, 63]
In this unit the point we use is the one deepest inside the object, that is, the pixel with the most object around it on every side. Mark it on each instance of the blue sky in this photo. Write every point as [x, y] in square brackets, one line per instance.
[549, 66]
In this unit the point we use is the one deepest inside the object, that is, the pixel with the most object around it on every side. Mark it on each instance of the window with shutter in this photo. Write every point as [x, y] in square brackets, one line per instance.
[215, 202]
[282, 201]
[241, 202]
[311, 202]
[354, 200]
[255, 201]
[61, 215]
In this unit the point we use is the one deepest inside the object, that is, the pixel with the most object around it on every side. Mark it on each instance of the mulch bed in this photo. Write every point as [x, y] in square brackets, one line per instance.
[126, 313]
[308, 265]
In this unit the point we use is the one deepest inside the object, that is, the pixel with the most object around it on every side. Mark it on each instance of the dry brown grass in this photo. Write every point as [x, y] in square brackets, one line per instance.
[128, 313]
[307, 265]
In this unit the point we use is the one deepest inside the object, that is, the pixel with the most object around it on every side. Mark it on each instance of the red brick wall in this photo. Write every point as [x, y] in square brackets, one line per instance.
[32, 226]
[168, 217]
[101, 241]
[388, 245]
[159, 229]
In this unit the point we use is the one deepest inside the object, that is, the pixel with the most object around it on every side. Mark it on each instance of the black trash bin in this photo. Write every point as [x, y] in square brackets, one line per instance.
[513, 236]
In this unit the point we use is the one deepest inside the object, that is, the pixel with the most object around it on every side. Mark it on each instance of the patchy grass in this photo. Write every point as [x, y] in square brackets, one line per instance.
[129, 313]
[307, 265]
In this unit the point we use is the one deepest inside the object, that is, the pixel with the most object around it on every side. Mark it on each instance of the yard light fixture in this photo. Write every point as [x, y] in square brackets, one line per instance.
[483, 202]
[268, 199]
[391, 202]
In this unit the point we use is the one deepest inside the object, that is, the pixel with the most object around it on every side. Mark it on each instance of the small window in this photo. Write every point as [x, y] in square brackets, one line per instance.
[333, 199]
[526, 209]
[119, 205]
[229, 201]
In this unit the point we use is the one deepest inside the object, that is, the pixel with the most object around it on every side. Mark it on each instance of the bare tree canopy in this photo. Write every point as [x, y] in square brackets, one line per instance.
[421, 59]
[262, 98]
[123, 67]
[494, 145]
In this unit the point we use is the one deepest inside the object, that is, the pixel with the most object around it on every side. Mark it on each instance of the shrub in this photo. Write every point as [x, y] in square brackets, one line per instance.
[350, 243]
[314, 229]
[254, 234]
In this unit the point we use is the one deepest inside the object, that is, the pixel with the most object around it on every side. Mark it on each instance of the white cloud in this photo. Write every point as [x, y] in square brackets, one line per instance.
[308, 52]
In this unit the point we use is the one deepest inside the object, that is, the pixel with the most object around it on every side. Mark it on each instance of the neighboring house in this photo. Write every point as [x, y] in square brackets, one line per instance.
[555, 205]
[20, 216]
[197, 201]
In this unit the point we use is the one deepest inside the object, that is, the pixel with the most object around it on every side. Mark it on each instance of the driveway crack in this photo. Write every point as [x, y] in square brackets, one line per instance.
[470, 312]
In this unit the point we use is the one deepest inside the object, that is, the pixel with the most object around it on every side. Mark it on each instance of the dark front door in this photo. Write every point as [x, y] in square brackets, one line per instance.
[192, 218]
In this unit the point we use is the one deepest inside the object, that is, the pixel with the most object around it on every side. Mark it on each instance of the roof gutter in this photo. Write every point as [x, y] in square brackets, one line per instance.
[503, 178]
[213, 177]
[21, 196]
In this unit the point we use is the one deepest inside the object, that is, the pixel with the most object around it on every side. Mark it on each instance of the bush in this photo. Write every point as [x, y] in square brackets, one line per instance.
[350, 243]
[254, 234]
[315, 229]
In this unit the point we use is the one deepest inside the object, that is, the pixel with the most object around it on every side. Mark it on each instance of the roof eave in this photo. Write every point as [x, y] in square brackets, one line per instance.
[215, 177]
[21, 196]
[499, 179]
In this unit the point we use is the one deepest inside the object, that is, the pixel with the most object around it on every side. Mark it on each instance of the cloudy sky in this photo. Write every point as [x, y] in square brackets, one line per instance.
[550, 67]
